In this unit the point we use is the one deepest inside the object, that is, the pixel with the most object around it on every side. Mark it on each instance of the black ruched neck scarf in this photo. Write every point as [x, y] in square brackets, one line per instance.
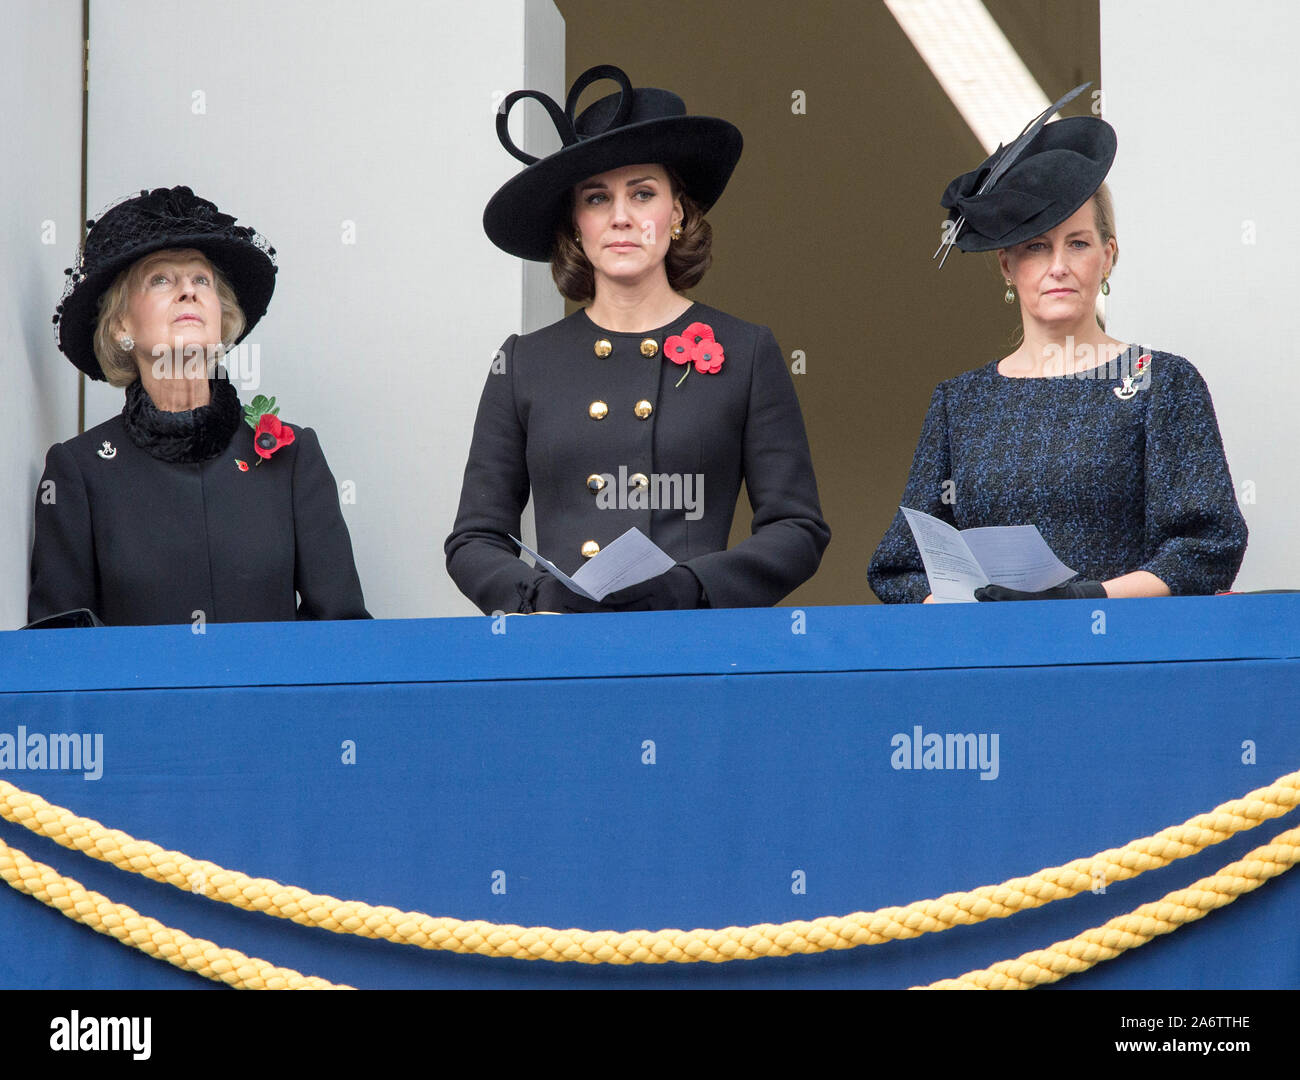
[182, 437]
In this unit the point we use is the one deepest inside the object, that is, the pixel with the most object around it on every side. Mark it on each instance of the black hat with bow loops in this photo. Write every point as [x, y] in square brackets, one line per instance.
[634, 126]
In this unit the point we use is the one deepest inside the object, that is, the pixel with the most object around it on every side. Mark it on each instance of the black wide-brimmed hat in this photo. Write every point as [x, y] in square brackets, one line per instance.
[155, 221]
[631, 127]
[1028, 188]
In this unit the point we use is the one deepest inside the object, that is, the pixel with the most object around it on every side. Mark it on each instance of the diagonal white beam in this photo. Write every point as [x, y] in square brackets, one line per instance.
[975, 64]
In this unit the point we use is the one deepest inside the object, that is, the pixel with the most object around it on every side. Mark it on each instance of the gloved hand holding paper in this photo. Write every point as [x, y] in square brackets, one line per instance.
[629, 560]
[959, 561]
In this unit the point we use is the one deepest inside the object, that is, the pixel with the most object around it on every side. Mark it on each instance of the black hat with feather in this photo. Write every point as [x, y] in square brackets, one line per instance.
[1028, 188]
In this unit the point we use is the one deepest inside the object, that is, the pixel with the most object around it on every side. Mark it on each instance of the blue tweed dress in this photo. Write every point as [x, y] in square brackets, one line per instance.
[1114, 484]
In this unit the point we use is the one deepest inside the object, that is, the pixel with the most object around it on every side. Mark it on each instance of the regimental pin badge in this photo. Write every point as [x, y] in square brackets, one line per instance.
[1130, 382]
[108, 451]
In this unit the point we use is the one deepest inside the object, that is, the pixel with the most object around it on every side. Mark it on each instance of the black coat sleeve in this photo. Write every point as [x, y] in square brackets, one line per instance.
[788, 534]
[325, 572]
[64, 574]
[481, 558]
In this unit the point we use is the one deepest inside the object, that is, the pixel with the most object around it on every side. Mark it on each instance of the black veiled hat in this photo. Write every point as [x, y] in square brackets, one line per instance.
[644, 125]
[1028, 188]
[154, 221]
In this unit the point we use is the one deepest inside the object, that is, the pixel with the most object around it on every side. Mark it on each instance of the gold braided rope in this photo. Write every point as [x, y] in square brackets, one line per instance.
[68, 897]
[645, 946]
[1138, 927]
[1030, 969]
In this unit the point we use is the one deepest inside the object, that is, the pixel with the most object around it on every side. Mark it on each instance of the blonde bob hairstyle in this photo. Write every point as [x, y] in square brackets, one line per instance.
[119, 366]
[686, 262]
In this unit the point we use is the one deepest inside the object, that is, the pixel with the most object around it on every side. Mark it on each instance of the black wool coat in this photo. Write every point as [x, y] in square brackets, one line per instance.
[143, 541]
[537, 428]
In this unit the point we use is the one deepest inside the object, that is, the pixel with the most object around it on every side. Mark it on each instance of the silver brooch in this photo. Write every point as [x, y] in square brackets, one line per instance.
[108, 451]
[1130, 382]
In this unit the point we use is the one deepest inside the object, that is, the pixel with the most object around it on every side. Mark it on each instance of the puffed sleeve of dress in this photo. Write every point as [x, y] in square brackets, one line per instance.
[325, 573]
[1194, 530]
[896, 573]
[788, 533]
[63, 555]
[481, 559]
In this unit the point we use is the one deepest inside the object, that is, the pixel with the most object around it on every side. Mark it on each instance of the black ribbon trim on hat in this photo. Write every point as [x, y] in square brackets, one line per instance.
[997, 213]
[564, 119]
[595, 74]
[567, 135]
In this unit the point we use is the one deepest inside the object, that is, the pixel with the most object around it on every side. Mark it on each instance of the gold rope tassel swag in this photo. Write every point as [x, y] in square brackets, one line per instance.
[1136, 928]
[645, 946]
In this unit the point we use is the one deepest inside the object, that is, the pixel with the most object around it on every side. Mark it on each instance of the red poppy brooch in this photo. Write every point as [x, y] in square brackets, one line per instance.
[270, 433]
[695, 345]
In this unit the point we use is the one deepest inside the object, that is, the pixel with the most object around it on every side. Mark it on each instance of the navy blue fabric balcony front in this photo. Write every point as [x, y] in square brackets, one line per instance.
[692, 769]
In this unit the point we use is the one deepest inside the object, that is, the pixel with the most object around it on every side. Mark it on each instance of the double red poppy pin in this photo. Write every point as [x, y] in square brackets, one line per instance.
[695, 345]
[270, 433]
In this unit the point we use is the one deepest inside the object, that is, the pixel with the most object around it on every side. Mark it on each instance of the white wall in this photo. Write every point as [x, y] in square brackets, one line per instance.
[40, 227]
[1203, 97]
[301, 117]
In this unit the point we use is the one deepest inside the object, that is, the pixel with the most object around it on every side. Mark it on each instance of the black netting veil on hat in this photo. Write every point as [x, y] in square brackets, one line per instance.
[157, 220]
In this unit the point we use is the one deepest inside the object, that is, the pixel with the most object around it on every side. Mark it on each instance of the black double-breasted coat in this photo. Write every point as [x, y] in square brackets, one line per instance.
[559, 418]
[140, 540]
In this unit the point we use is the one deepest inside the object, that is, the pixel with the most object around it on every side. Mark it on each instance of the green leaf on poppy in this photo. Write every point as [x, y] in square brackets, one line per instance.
[260, 406]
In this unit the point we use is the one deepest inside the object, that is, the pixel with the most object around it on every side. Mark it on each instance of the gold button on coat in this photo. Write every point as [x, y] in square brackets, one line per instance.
[595, 482]
[639, 480]
[643, 409]
[603, 348]
[590, 549]
[649, 347]
[597, 410]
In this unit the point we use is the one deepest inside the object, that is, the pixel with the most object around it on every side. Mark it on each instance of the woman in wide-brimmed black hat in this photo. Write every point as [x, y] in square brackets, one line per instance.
[1111, 449]
[644, 408]
[187, 506]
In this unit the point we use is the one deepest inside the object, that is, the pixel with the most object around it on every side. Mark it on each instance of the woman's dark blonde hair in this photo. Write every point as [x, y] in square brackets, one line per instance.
[1104, 216]
[686, 262]
[119, 367]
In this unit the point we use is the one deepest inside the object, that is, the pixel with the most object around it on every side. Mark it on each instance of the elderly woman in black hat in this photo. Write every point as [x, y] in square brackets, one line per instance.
[1112, 450]
[186, 506]
[644, 408]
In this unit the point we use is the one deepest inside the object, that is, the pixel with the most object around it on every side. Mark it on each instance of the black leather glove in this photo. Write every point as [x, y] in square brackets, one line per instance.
[77, 617]
[677, 589]
[551, 594]
[1071, 590]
